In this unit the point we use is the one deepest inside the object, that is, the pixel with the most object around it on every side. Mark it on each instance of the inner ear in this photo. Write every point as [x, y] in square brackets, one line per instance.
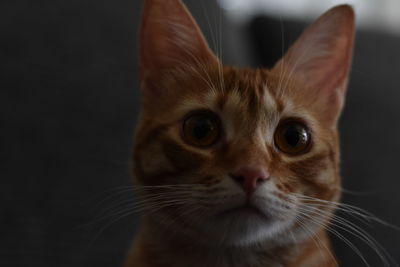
[170, 38]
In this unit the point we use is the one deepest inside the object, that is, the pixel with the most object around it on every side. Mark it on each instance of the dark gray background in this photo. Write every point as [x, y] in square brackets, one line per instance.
[69, 98]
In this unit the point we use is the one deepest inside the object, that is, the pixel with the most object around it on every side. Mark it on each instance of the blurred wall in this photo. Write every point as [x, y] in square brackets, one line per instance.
[68, 100]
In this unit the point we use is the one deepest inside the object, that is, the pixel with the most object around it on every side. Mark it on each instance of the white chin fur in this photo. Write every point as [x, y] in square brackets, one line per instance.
[242, 231]
[244, 228]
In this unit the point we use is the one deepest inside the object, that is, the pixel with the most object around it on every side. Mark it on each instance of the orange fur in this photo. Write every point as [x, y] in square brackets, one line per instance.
[190, 217]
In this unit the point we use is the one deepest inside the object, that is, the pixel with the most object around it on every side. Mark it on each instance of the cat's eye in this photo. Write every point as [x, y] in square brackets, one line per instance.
[292, 137]
[201, 129]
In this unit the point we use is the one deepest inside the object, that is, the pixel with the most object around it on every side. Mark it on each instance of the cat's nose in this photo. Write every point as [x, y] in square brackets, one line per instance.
[249, 178]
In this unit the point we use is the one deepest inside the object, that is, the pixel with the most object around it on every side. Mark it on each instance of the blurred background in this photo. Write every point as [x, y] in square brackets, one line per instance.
[69, 101]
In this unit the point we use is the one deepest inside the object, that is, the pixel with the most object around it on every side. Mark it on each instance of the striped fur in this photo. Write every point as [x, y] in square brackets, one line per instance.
[191, 218]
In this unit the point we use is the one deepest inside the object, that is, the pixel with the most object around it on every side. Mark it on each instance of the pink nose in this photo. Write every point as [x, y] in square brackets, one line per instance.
[250, 178]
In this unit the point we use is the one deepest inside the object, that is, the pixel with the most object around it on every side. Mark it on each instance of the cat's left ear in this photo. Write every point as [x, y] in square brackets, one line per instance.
[321, 59]
[170, 39]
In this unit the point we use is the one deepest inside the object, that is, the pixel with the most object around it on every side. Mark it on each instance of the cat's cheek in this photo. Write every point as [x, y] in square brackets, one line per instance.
[153, 160]
[327, 177]
[183, 158]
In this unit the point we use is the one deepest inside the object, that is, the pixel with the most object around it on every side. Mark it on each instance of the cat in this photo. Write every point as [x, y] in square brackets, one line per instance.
[236, 166]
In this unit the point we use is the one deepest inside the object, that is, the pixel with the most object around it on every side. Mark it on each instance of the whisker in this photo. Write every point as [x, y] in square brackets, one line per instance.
[316, 240]
[313, 207]
[143, 202]
[356, 231]
[350, 209]
[336, 233]
[128, 213]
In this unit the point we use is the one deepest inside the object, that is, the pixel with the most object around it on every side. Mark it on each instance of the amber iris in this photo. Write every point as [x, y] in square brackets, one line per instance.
[292, 137]
[201, 129]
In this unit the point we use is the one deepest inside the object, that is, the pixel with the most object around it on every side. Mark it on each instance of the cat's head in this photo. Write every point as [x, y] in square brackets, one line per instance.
[232, 155]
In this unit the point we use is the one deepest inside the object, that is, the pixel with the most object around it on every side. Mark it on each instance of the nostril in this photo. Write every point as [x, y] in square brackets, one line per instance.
[239, 179]
[260, 180]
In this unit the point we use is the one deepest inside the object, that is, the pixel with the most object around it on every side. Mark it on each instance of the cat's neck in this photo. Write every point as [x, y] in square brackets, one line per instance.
[155, 248]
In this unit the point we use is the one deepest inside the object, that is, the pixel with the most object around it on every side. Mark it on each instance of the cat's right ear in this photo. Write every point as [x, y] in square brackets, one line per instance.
[169, 39]
[321, 59]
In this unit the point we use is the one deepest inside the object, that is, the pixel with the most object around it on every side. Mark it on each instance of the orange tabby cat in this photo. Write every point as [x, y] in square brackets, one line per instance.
[233, 165]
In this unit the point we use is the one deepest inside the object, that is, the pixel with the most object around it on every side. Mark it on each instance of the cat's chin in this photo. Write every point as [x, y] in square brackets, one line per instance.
[246, 225]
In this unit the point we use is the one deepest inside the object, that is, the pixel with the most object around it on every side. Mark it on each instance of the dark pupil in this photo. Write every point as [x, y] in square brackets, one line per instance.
[293, 136]
[202, 128]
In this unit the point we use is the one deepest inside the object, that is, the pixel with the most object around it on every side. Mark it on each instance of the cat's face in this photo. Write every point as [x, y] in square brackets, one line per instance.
[230, 156]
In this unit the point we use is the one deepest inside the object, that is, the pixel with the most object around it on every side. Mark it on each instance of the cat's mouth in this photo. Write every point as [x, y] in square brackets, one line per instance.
[246, 209]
